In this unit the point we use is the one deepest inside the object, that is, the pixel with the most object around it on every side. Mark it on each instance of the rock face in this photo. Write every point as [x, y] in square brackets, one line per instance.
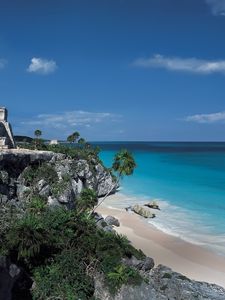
[71, 176]
[163, 284]
[15, 282]
[143, 211]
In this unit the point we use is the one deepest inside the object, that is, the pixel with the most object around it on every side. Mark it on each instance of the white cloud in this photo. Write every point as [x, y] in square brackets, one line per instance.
[192, 65]
[217, 7]
[72, 119]
[207, 118]
[3, 62]
[42, 66]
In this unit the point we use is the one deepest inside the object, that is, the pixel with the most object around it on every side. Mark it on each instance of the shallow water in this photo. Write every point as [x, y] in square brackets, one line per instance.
[188, 179]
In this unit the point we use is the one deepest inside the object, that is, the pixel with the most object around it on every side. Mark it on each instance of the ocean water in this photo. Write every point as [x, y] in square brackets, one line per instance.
[188, 181]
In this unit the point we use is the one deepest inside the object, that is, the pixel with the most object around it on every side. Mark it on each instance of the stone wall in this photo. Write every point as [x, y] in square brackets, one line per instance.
[6, 135]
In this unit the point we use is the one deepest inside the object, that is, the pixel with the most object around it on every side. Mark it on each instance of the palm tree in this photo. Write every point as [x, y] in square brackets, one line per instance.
[37, 133]
[81, 141]
[87, 200]
[70, 139]
[73, 137]
[123, 165]
[76, 135]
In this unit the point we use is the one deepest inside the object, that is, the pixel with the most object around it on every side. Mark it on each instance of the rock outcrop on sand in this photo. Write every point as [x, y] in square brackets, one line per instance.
[143, 211]
[152, 205]
[71, 176]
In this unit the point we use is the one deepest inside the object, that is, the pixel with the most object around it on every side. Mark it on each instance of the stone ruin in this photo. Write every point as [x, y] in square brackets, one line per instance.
[6, 135]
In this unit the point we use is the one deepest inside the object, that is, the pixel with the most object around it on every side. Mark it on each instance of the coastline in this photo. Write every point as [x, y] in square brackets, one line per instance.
[184, 257]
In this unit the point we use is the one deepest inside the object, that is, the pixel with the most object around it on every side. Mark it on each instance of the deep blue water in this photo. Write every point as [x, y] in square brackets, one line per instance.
[189, 181]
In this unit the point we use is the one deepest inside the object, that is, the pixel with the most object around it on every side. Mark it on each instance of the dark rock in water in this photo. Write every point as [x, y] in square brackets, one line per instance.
[110, 220]
[162, 284]
[15, 283]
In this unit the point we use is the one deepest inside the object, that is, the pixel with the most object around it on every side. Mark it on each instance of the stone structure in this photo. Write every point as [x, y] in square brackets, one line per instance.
[53, 142]
[6, 135]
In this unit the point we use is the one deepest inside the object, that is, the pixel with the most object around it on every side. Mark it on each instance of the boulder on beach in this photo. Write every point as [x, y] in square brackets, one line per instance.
[110, 220]
[143, 211]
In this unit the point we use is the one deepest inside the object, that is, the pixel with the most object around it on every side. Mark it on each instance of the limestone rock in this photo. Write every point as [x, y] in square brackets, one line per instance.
[77, 186]
[52, 201]
[152, 205]
[73, 175]
[67, 195]
[163, 284]
[108, 228]
[143, 265]
[143, 211]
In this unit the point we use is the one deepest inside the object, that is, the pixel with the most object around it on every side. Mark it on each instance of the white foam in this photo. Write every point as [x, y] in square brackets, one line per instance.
[175, 221]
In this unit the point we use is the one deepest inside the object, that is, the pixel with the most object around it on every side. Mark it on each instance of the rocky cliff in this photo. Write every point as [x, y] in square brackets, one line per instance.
[161, 283]
[61, 181]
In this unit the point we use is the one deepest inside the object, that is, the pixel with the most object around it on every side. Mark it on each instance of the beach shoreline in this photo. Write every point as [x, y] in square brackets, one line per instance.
[191, 260]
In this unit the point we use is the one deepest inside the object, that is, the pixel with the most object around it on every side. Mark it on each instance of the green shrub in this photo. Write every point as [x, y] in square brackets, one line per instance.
[87, 200]
[36, 204]
[63, 250]
[122, 275]
[26, 237]
[65, 278]
[58, 187]
[45, 171]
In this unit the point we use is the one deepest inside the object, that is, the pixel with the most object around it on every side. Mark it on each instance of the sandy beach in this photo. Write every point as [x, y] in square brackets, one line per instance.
[189, 259]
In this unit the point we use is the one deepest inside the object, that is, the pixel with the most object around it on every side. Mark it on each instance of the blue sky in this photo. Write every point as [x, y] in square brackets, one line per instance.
[114, 69]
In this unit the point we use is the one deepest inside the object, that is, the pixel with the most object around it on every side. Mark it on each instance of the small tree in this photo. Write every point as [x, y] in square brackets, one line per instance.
[37, 133]
[76, 135]
[73, 137]
[87, 200]
[81, 141]
[70, 139]
[123, 165]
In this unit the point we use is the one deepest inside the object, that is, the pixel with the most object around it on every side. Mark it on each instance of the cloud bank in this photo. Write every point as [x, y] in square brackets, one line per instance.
[72, 119]
[207, 118]
[217, 7]
[42, 66]
[191, 65]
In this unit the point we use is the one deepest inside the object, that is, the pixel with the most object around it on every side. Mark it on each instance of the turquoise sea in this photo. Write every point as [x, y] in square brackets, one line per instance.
[188, 179]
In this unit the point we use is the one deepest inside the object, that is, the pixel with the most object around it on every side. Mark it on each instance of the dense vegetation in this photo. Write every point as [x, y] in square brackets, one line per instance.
[22, 139]
[63, 250]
